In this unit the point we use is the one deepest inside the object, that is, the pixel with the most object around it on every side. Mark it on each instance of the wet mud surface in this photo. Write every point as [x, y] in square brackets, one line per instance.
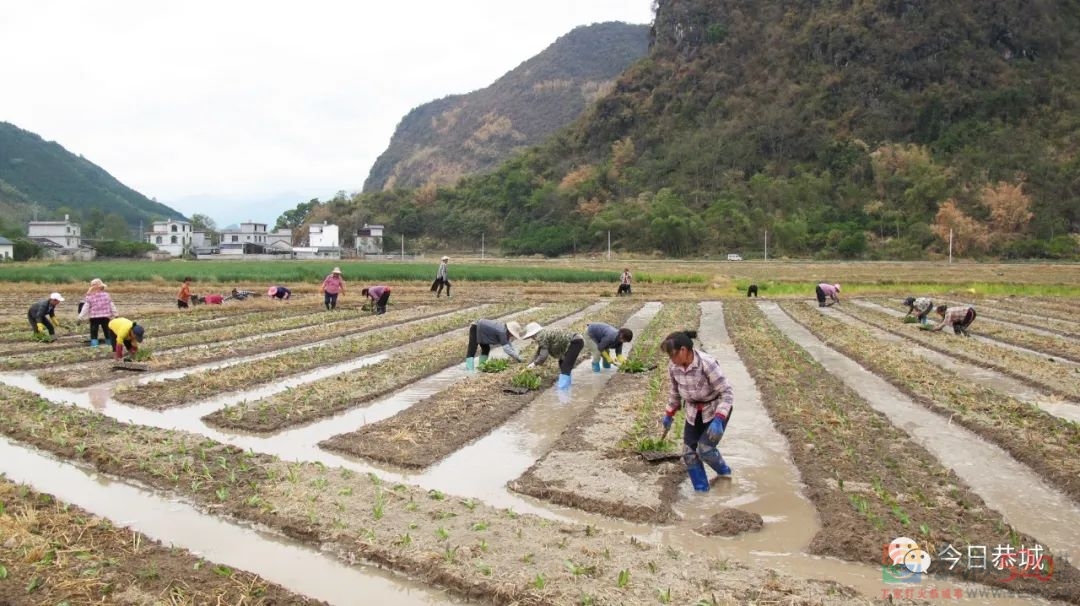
[729, 522]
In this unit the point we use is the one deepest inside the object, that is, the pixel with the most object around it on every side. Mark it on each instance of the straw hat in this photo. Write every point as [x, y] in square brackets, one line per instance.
[837, 287]
[445, 258]
[271, 291]
[529, 331]
[337, 270]
[97, 283]
[514, 329]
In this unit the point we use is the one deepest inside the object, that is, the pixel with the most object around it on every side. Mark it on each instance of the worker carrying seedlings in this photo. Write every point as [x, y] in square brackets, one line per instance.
[332, 286]
[566, 344]
[380, 297]
[442, 278]
[98, 308]
[919, 308]
[485, 333]
[278, 292]
[39, 314]
[602, 339]
[960, 318]
[823, 290]
[699, 387]
[126, 334]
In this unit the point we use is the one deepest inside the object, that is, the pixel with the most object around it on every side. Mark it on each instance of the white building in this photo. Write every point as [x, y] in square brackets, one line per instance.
[369, 240]
[323, 236]
[7, 249]
[254, 238]
[174, 237]
[65, 233]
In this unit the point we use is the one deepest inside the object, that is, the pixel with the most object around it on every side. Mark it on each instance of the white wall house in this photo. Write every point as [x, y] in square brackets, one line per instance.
[254, 238]
[7, 249]
[323, 235]
[65, 233]
[369, 240]
[172, 236]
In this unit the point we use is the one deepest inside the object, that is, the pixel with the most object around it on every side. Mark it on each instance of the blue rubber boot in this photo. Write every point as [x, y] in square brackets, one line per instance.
[607, 364]
[93, 342]
[698, 477]
[596, 366]
[470, 363]
[564, 382]
[482, 360]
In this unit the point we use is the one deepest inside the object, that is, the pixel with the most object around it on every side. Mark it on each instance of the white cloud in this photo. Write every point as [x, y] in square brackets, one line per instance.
[241, 99]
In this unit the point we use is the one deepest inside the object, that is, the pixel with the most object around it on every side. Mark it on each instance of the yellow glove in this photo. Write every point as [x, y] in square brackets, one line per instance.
[607, 356]
[40, 327]
[620, 359]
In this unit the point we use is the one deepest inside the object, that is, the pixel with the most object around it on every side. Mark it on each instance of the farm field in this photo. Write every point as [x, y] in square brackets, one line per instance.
[362, 442]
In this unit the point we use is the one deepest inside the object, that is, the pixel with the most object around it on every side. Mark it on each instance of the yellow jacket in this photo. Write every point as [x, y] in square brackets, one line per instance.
[121, 327]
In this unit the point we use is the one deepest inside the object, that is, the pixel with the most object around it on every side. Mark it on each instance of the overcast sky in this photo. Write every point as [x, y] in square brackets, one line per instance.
[242, 109]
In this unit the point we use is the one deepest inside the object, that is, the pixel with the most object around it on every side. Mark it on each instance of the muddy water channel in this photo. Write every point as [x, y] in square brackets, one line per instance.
[1027, 502]
[303, 570]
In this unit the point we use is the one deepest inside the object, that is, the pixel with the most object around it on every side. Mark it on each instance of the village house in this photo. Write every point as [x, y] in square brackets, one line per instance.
[369, 240]
[59, 239]
[7, 249]
[175, 237]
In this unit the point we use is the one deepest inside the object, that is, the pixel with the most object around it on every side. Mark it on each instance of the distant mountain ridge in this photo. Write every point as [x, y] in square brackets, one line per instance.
[441, 141]
[35, 171]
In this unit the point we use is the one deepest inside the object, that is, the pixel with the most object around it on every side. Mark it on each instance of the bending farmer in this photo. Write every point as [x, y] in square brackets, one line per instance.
[127, 334]
[831, 291]
[485, 333]
[379, 295]
[278, 292]
[604, 337]
[700, 388]
[957, 317]
[40, 312]
[920, 308]
[566, 344]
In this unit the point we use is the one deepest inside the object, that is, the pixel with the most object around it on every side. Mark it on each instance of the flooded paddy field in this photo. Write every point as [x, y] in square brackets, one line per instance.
[361, 450]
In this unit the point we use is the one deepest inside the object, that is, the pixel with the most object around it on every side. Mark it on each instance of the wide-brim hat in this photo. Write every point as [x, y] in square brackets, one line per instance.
[514, 329]
[138, 331]
[446, 258]
[837, 287]
[336, 270]
[271, 291]
[97, 282]
[531, 329]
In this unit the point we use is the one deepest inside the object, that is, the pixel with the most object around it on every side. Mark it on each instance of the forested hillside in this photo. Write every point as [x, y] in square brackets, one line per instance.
[35, 171]
[439, 142]
[842, 128]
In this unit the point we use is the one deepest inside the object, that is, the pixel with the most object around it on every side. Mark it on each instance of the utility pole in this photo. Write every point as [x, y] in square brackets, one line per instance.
[482, 246]
[950, 245]
[609, 245]
[766, 245]
[402, 247]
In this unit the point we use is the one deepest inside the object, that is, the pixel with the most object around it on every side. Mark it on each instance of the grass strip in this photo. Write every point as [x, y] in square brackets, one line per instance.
[96, 372]
[325, 397]
[477, 551]
[1031, 369]
[1046, 443]
[869, 481]
[433, 428]
[56, 553]
[177, 392]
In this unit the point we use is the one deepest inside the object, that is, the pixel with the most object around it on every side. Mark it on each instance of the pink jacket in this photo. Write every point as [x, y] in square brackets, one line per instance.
[333, 284]
[98, 305]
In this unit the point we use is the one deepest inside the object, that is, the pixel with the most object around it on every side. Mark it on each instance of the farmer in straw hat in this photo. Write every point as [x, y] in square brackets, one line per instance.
[40, 312]
[278, 292]
[442, 278]
[919, 307]
[380, 297]
[332, 286]
[485, 333]
[98, 307]
[831, 291]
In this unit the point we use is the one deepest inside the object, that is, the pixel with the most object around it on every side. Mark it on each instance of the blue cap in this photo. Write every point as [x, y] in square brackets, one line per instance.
[138, 332]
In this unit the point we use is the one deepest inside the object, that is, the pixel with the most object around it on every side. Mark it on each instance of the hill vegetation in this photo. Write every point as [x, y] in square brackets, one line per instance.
[35, 172]
[439, 142]
[850, 129]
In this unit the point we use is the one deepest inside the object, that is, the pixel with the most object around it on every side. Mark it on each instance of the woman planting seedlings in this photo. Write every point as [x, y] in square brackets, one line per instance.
[602, 339]
[279, 292]
[485, 333]
[700, 388]
[379, 295]
[39, 314]
[127, 334]
[566, 344]
[823, 290]
[960, 318]
[332, 286]
[98, 307]
[920, 308]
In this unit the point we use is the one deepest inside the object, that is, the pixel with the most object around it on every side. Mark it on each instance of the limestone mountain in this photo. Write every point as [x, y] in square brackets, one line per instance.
[35, 172]
[441, 141]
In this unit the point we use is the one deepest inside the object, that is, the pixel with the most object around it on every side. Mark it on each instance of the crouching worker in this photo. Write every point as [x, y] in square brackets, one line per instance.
[485, 333]
[380, 297]
[566, 344]
[40, 312]
[823, 290]
[602, 339]
[126, 334]
[920, 308]
[960, 318]
[699, 387]
[278, 292]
